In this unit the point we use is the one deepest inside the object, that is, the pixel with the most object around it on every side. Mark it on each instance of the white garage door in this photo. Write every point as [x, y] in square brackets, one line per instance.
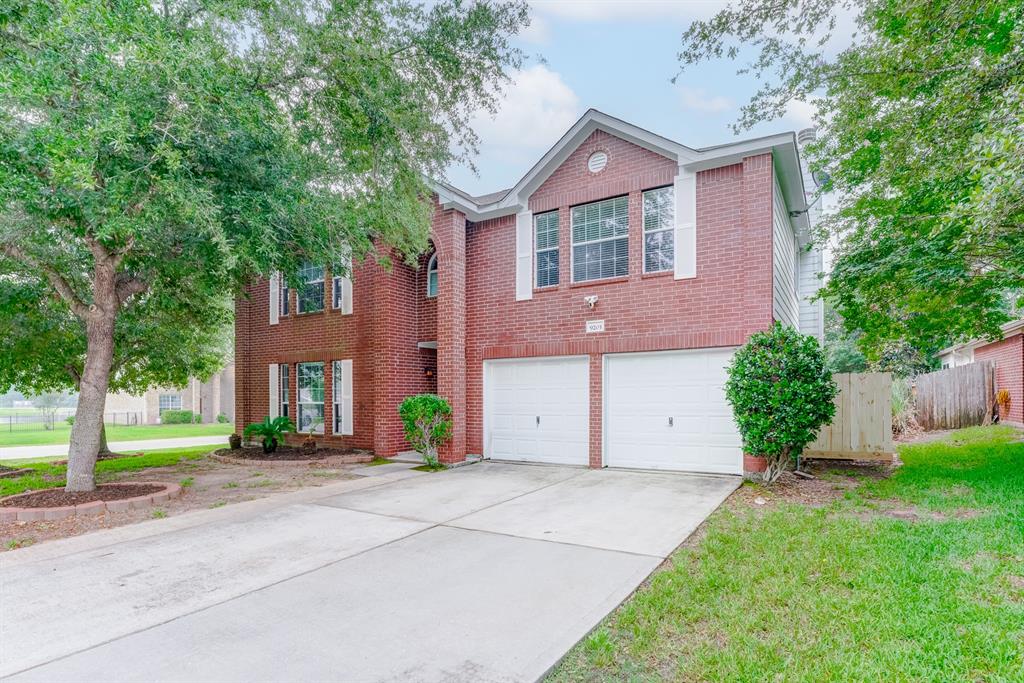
[537, 410]
[667, 411]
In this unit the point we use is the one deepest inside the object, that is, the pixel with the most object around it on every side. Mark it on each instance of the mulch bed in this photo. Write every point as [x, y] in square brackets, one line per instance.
[286, 453]
[53, 498]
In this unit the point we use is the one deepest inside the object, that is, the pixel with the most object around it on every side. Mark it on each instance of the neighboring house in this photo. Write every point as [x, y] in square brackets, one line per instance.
[1008, 355]
[584, 316]
[209, 399]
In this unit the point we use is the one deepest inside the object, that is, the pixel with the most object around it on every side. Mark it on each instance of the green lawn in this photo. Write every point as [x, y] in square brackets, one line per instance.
[35, 435]
[842, 593]
[46, 475]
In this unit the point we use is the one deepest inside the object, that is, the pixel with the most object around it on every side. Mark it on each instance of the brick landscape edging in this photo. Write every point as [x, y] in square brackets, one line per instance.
[96, 507]
[352, 459]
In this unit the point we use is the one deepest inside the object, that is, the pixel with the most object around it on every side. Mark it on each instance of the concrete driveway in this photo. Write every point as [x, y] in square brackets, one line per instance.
[489, 572]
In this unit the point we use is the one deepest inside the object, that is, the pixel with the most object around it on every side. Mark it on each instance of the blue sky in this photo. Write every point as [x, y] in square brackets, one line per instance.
[617, 56]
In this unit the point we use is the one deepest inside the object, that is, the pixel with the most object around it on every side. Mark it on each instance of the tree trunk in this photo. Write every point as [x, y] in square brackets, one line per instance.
[87, 434]
[104, 448]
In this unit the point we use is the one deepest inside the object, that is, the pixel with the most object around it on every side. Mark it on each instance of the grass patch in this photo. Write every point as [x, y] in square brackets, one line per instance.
[378, 461]
[841, 593]
[430, 468]
[46, 475]
[33, 434]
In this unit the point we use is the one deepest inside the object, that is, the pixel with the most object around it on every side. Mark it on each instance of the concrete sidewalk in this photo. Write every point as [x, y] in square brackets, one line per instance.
[489, 572]
[58, 450]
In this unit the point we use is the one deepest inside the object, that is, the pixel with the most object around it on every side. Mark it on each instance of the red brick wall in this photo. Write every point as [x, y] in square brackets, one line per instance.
[730, 298]
[475, 317]
[1008, 356]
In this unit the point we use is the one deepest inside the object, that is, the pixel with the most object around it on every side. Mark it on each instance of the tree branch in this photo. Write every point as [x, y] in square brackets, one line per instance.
[128, 287]
[78, 307]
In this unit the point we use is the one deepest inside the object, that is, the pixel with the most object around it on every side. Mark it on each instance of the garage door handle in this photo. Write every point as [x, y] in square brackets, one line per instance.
[538, 420]
[670, 422]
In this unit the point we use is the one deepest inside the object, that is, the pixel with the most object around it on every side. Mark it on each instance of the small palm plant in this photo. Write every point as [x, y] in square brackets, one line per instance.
[272, 431]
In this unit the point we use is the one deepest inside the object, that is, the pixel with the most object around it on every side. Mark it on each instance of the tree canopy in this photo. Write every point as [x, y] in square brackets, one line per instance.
[155, 156]
[921, 133]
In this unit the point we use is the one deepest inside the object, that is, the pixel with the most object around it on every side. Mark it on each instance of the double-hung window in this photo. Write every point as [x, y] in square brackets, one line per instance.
[311, 295]
[282, 409]
[659, 230]
[310, 383]
[600, 240]
[545, 230]
[170, 402]
[337, 391]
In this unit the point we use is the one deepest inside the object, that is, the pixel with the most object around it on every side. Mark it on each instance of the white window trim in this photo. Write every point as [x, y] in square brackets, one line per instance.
[306, 283]
[557, 247]
[573, 245]
[432, 268]
[645, 232]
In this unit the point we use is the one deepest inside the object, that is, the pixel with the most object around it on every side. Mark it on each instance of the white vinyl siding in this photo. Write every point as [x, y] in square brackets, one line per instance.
[341, 396]
[785, 305]
[309, 378]
[659, 230]
[546, 241]
[311, 297]
[812, 314]
[600, 240]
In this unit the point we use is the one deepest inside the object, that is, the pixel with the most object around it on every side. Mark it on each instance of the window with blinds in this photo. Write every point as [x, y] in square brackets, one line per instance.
[545, 228]
[600, 239]
[659, 230]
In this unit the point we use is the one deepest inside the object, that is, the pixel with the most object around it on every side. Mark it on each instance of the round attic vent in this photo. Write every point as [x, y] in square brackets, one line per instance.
[597, 162]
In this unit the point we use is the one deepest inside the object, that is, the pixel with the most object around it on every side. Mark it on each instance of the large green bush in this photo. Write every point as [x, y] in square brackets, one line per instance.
[272, 431]
[177, 417]
[781, 393]
[427, 423]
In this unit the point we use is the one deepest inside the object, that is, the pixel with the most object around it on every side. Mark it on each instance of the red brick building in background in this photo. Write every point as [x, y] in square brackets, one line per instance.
[1007, 354]
[584, 316]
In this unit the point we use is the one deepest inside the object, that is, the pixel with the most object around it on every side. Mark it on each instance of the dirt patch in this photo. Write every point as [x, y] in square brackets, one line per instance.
[291, 453]
[829, 483]
[54, 498]
[206, 483]
[11, 472]
[894, 510]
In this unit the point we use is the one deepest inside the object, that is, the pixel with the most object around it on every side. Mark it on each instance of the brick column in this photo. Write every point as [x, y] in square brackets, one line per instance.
[450, 238]
[596, 408]
[757, 241]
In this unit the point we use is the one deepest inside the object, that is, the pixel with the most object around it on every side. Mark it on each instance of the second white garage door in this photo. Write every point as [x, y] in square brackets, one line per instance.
[537, 410]
[667, 411]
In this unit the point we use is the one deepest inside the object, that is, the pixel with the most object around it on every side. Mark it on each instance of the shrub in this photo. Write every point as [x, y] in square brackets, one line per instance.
[903, 406]
[70, 419]
[222, 418]
[177, 417]
[781, 394]
[272, 431]
[427, 424]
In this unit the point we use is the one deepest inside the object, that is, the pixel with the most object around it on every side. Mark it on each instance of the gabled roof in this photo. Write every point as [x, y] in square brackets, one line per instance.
[783, 147]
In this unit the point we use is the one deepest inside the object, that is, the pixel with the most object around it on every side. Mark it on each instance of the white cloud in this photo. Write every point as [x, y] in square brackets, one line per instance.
[800, 114]
[533, 113]
[538, 31]
[698, 99]
[635, 10]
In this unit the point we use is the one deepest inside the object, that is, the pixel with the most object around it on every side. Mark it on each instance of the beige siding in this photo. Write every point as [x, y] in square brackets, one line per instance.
[785, 306]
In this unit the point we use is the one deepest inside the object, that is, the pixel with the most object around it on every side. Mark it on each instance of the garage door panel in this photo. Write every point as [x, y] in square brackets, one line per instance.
[555, 390]
[643, 390]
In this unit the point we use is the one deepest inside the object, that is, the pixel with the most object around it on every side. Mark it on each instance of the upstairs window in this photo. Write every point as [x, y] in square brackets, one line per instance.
[432, 276]
[600, 240]
[545, 231]
[659, 229]
[311, 296]
[284, 297]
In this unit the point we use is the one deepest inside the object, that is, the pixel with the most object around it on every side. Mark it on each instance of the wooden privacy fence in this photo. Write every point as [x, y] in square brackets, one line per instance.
[862, 426]
[956, 397]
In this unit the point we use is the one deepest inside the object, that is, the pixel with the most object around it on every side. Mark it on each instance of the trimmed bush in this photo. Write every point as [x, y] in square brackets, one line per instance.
[177, 417]
[781, 394]
[222, 418]
[427, 423]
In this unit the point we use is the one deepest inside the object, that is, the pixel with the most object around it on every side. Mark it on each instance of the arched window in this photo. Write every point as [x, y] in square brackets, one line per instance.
[432, 276]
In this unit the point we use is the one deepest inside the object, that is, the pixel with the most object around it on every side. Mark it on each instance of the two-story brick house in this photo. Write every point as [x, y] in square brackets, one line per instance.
[584, 316]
